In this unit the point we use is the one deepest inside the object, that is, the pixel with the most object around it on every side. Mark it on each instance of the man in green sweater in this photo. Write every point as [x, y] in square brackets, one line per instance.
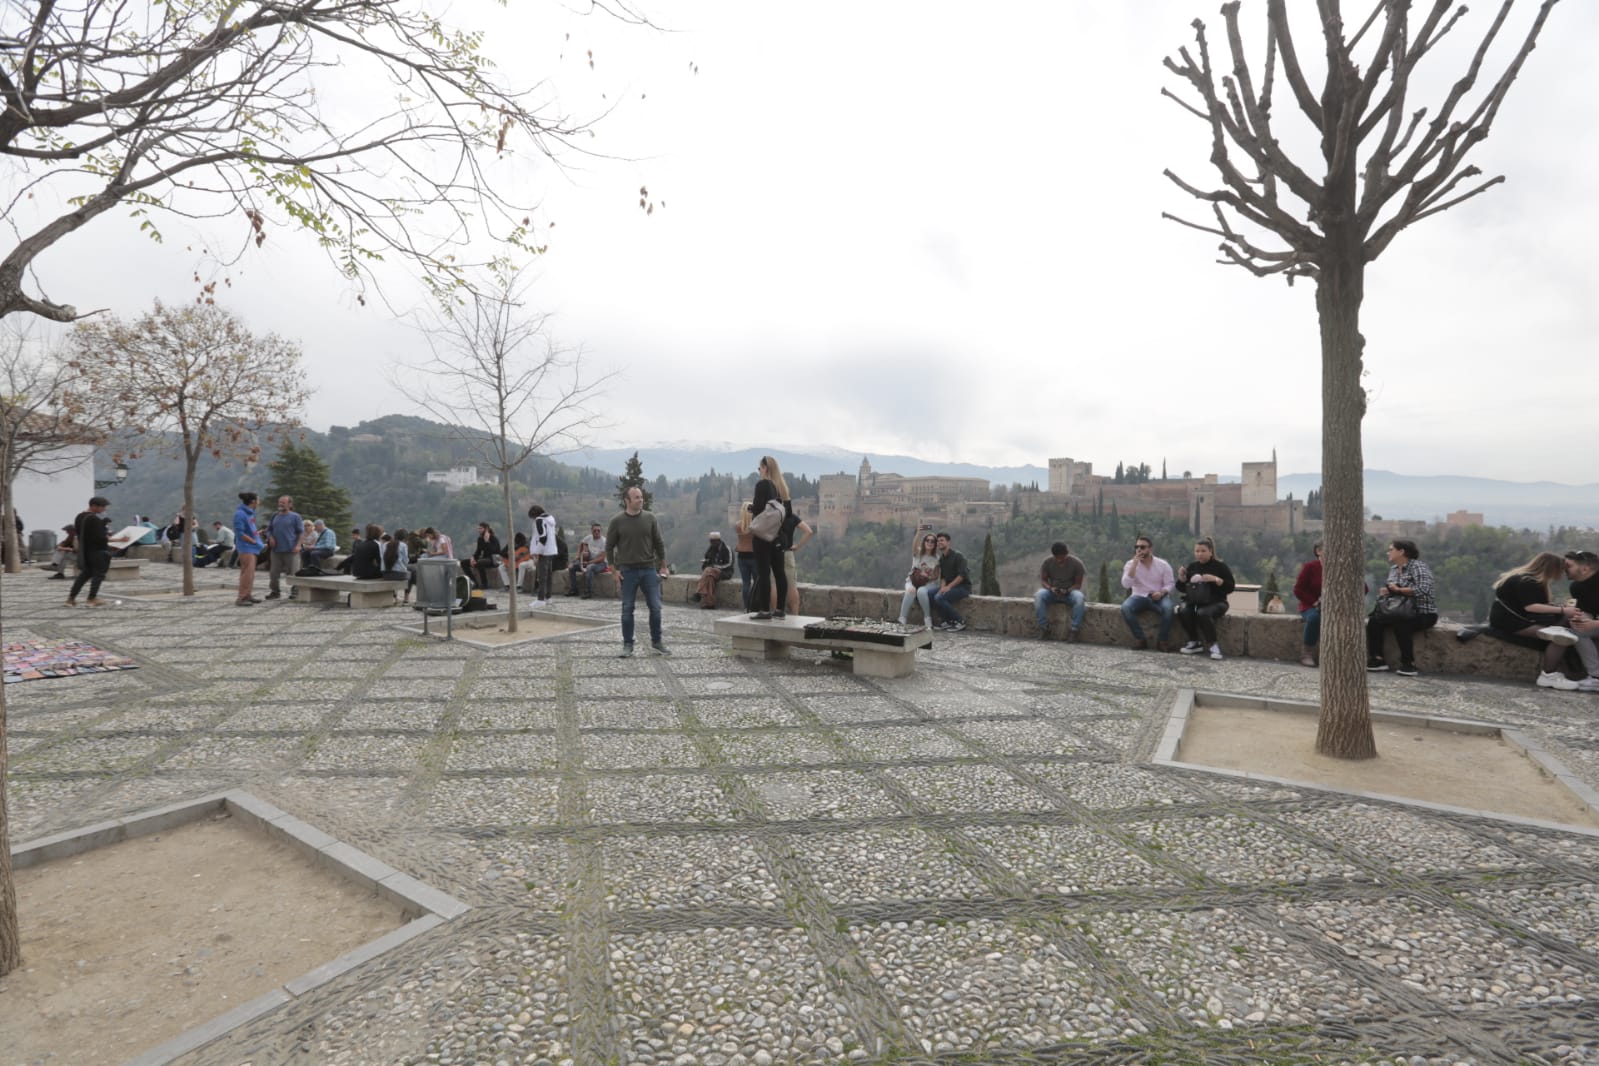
[634, 548]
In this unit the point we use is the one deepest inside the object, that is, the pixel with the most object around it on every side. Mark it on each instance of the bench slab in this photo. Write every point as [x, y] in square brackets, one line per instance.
[123, 570]
[888, 651]
[363, 593]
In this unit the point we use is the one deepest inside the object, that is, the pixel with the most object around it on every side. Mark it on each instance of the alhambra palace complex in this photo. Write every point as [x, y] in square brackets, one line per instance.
[1205, 503]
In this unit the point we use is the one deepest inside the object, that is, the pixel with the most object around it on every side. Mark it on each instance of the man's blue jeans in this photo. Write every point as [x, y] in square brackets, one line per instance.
[632, 578]
[1312, 618]
[1045, 597]
[943, 602]
[1133, 604]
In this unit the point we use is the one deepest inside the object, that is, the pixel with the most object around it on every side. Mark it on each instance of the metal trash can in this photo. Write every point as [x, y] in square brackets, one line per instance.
[435, 591]
[41, 543]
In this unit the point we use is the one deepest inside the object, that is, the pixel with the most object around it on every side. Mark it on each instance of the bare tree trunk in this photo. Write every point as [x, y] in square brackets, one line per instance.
[509, 547]
[10, 934]
[12, 543]
[1344, 728]
[191, 461]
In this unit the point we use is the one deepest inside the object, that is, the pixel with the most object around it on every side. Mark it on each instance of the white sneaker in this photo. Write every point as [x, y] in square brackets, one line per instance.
[1215, 651]
[1556, 681]
[1560, 635]
[1588, 684]
[1193, 647]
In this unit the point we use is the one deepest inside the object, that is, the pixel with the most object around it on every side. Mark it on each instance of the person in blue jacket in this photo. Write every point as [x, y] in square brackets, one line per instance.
[247, 541]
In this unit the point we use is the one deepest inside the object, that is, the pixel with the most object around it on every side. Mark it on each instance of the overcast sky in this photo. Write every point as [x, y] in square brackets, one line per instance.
[934, 228]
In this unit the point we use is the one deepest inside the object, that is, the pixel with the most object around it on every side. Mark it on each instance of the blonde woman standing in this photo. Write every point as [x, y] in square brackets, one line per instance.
[770, 575]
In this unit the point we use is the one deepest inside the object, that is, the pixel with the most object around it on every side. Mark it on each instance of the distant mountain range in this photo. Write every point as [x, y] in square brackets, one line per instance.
[1519, 504]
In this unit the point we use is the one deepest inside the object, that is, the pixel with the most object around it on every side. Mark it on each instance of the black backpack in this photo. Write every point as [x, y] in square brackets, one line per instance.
[559, 561]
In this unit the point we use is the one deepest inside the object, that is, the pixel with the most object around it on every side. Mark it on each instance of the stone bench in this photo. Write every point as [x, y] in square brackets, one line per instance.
[888, 655]
[119, 570]
[362, 593]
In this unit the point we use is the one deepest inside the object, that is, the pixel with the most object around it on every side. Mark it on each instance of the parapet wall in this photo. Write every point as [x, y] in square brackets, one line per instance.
[1251, 635]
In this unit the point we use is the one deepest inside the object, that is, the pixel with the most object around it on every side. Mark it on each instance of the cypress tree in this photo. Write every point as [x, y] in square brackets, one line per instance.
[632, 476]
[989, 582]
[1103, 593]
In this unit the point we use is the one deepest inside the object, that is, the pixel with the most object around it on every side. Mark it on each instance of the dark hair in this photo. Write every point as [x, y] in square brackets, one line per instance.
[519, 541]
[1585, 557]
[485, 527]
[1059, 548]
[99, 501]
[1316, 546]
[248, 498]
[391, 551]
[373, 531]
[1408, 547]
[1144, 536]
[535, 511]
[946, 536]
[1209, 543]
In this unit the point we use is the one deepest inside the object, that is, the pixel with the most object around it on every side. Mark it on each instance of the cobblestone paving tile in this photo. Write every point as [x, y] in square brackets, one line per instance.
[970, 986]
[35, 805]
[723, 685]
[508, 714]
[145, 719]
[786, 748]
[964, 705]
[273, 717]
[809, 794]
[1241, 851]
[856, 709]
[413, 688]
[425, 669]
[97, 755]
[1567, 912]
[51, 721]
[154, 791]
[968, 788]
[893, 743]
[196, 696]
[1404, 840]
[511, 688]
[1448, 956]
[632, 686]
[657, 798]
[411, 715]
[512, 1005]
[870, 865]
[305, 690]
[523, 802]
[356, 751]
[1100, 786]
[325, 800]
[1562, 847]
[686, 870]
[1216, 968]
[1118, 734]
[533, 874]
[628, 714]
[1238, 789]
[620, 751]
[819, 678]
[1068, 859]
[503, 752]
[745, 713]
[1021, 737]
[227, 753]
[687, 996]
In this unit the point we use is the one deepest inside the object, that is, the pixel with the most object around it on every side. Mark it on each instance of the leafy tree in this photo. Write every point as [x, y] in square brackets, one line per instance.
[299, 471]
[1382, 169]
[508, 389]
[633, 477]
[989, 582]
[194, 381]
[208, 111]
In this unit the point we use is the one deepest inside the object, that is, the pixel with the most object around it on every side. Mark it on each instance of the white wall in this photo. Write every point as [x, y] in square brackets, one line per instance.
[53, 499]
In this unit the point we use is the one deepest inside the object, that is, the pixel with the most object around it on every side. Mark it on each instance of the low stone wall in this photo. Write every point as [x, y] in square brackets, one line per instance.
[1251, 635]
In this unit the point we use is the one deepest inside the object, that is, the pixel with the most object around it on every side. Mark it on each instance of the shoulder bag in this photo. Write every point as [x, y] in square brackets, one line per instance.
[1394, 608]
[769, 523]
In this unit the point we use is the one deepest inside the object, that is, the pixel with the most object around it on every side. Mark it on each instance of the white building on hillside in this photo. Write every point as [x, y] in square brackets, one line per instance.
[455, 479]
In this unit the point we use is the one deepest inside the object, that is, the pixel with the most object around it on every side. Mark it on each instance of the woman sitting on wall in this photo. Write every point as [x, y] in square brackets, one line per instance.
[1405, 604]
[1522, 608]
[1205, 583]
[366, 558]
[924, 567]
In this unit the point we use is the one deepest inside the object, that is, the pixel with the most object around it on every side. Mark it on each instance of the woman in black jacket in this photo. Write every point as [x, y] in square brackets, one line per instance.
[366, 558]
[486, 556]
[769, 553]
[1205, 584]
[1524, 607]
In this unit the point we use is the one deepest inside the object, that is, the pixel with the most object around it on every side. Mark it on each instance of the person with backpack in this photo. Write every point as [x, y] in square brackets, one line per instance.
[543, 547]
[769, 571]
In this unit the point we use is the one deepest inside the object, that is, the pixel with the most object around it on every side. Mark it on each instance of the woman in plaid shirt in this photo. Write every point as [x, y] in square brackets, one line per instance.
[1411, 578]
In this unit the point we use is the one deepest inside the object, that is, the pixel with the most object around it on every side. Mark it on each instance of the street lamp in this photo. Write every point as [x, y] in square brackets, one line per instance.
[121, 475]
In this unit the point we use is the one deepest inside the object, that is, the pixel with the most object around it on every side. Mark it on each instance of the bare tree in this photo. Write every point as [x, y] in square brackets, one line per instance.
[195, 382]
[217, 110]
[504, 386]
[1382, 167]
[36, 433]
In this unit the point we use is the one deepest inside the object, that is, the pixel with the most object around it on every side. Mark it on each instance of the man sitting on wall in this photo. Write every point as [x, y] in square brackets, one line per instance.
[324, 547]
[1151, 581]
[953, 584]
[590, 561]
[1582, 568]
[1060, 580]
[717, 565]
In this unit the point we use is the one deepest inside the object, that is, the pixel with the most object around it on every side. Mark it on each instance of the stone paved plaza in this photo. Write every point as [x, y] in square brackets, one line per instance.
[701, 860]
